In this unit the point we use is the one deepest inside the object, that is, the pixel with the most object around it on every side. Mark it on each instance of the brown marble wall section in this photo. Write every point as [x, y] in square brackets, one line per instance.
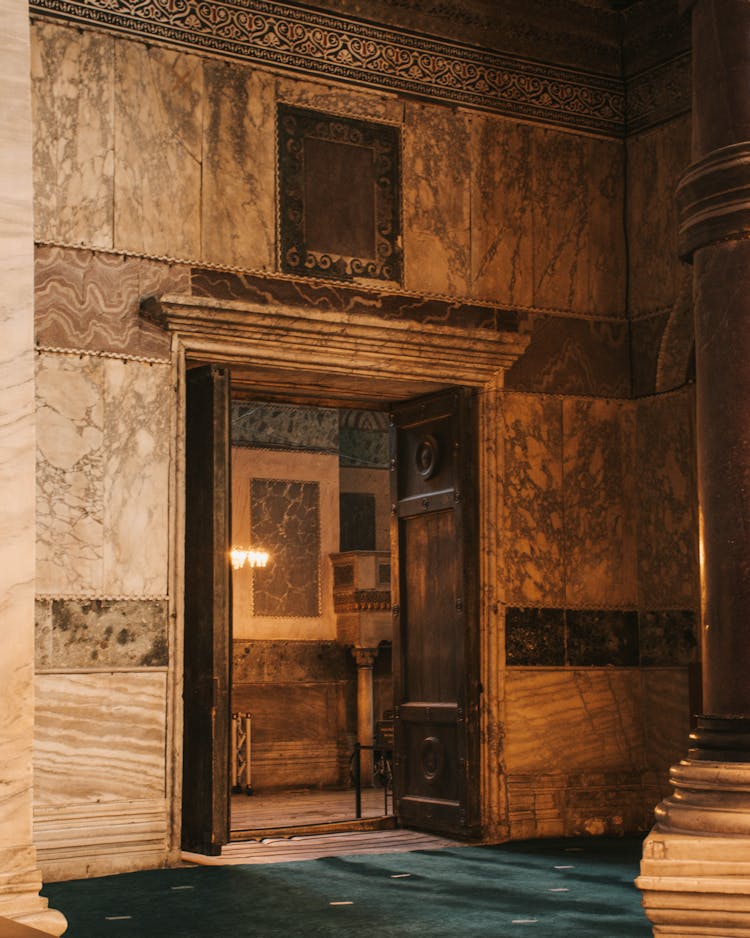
[668, 638]
[501, 200]
[533, 516]
[73, 99]
[599, 479]
[573, 356]
[534, 637]
[667, 503]
[238, 209]
[437, 197]
[89, 300]
[599, 638]
[285, 520]
[646, 336]
[579, 238]
[158, 156]
[101, 633]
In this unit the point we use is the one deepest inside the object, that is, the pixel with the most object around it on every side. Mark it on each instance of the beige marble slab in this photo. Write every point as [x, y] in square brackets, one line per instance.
[501, 216]
[599, 484]
[436, 200]
[238, 204]
[579, 242]
[340, 99]
[99, 737]
[573, 720]
[534, 497]
[158, 156]
[135, 478]
[73, 99]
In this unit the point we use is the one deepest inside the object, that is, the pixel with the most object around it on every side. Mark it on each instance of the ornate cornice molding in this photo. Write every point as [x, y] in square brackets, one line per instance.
[713, 199]
[659, 94]
[289, 37]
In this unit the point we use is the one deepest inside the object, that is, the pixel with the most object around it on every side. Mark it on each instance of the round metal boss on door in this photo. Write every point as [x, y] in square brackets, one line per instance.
[427, 456]
[432, 758]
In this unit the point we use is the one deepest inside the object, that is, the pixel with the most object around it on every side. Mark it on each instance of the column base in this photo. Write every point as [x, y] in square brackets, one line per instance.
[19, 892]
[695, 871]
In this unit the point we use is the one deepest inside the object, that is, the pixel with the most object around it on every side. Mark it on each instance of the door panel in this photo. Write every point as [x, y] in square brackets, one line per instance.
[207, 679]
[433, 540]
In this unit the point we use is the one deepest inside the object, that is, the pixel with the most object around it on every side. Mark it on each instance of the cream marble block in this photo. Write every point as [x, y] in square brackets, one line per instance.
[70, 510]
[340, 99]
[73, 99]
[436, 200]
[19, 877]
[579, 240]
[534, 500]
[158, 154]
[656, 160]
[573, 720]
[599, 485]
[99, 737]
[238, 188]
[80, 841]
[249, 464]
[502, 266]
[135, 478]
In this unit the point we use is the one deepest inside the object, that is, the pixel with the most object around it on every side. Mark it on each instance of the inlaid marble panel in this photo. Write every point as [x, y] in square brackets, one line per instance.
[656, 160]
[676, 359]
[602, 637]
[363, 439]
[337, 99]
[501, 200]
[101, 633]
[534, 637]
[99, 737]
[668, 637]
[285, 426]
[267, 662]
[645, 343]
[599, 478]
[285, 519]
[89, 300]
[237, 192]
[573, 720]
[158, 156]
[73, 101]
[135, 477]
[533, 499]
[70, 464]
[579, 245]
[667, 710]
[574, 356]
[436, 191]
[667, 503]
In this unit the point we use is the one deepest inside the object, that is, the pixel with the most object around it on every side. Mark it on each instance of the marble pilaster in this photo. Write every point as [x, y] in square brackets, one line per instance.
[20, 878]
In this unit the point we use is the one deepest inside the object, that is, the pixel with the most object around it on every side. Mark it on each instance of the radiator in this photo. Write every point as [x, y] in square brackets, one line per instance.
[242, 743]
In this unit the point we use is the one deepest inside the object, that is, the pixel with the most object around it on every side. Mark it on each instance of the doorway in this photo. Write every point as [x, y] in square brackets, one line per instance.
[303, 731]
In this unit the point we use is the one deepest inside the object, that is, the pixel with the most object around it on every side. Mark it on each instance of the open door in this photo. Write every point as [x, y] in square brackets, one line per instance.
[207, 678]
[435, 607]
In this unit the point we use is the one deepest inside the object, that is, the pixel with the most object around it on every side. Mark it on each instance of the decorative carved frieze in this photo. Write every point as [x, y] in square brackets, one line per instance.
[658, 94]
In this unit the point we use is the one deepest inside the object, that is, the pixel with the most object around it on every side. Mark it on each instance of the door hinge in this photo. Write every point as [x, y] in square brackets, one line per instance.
[396, 609]
[459, 604]
[460, 716]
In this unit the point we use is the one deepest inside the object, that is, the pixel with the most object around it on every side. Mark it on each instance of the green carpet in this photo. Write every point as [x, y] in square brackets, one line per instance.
[576, 888]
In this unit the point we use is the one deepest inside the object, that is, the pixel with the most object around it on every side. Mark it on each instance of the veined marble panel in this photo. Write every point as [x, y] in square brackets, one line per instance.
[599, 484]
[285, 426]
[579, 241]
[573, 720]
[338, 99]
[600, 637]
[135, 477]
[363, 439]
[668, 637]
[436, 199]
[70, 505]
[656, 160]
[238, 208]
[99, 737]
[534, 637]
[90, 300]
[101, 633]
[73, 99]
[533, 500]
[501, 200]
[645, 343]
[668, 575]
[158, 156]
[667, 714]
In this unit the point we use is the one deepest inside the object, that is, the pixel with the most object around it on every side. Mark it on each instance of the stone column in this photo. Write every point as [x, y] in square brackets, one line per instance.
[696, 862]
[365, 659]
[20, 879]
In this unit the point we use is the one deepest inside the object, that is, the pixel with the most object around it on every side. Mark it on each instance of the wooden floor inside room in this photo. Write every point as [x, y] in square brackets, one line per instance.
[288, 811]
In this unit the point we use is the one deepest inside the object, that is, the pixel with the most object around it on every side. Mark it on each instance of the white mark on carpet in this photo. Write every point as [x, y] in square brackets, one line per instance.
[341, 903]
[116, 918]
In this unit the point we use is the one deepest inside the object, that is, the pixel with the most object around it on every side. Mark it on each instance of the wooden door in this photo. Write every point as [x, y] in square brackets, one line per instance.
[207, 679]
[435, 604]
